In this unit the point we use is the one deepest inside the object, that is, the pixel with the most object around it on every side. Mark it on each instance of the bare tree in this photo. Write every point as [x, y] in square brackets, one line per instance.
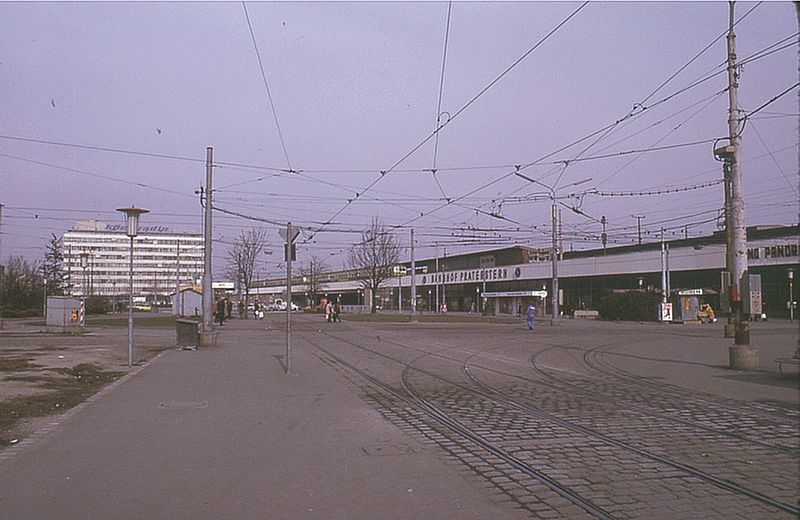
[374, 257]
[242, 259]
[313, 273]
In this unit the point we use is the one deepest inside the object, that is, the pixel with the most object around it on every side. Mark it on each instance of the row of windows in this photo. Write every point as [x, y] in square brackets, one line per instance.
[149, 261]
[173, 253]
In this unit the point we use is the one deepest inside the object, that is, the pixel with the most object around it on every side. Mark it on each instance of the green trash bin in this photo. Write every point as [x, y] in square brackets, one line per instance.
[187, 332]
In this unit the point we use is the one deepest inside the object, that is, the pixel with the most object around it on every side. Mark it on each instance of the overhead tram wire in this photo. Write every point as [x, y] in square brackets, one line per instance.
[772, 49]
[543, 160]
[708, 100]
[756, 56]
[383, 173]
[647, 193]
[266, 85]
[439, 101]
[774, 160]
[101, 149]
[641, 106]
[605, 156]
[768, 103]
[97, 175]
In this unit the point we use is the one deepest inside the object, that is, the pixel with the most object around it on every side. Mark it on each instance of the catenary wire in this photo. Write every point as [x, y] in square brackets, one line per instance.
[266, 86]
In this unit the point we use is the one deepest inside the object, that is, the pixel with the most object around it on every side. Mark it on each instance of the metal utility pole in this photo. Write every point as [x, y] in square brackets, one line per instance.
[413, 281]
[669, 282]
[638, 226]
[791, 295]
[177, 267]
[554, 256]
[2, 272]
[730, 327]
[663, 269]
[742, 355]
[289, 241]
[438, 307]
[604, 236]
[554, 253]
[208, 293]
[289, 237]
[444, 285]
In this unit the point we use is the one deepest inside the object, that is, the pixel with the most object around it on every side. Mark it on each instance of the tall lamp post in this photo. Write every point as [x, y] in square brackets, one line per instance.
[132, 215]
[554, 251]
[84, 264]
[791, 295]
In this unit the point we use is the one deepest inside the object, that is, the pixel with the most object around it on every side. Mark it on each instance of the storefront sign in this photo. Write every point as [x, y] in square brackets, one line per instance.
[470, 275]
[511, 294]
[776, 251]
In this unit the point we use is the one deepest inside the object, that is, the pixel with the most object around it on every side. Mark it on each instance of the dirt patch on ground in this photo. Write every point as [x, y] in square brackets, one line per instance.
[43, 375]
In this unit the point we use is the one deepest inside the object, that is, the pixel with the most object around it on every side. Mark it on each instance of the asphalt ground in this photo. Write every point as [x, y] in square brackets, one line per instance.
[224, 432]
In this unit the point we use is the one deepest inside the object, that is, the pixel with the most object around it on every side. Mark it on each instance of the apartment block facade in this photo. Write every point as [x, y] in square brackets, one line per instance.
[97, 259]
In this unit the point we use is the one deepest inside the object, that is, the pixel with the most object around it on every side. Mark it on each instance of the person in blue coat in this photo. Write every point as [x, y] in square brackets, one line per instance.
[530, 315]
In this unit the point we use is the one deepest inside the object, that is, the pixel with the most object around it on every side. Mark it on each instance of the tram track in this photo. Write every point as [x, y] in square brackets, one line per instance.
[485, 391]
[623, 399]
[429, 410]
[507, 400]
[593, 359]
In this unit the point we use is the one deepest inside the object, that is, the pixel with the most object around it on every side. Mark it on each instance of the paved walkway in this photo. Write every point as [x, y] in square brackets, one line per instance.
[224, 433]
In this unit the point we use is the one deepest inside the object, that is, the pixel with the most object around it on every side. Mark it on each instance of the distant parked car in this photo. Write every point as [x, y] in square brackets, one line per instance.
[282, 306]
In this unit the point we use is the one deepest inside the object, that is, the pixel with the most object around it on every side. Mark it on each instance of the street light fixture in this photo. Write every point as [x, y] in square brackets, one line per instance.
[84, 264]
[132, 215]
[554, 252]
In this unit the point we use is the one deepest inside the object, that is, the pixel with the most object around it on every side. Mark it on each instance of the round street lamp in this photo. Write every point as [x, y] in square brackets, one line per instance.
[132, 215]
[84, 256]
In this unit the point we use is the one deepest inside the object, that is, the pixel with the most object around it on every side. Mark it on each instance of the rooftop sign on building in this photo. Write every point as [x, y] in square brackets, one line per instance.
[99, 225]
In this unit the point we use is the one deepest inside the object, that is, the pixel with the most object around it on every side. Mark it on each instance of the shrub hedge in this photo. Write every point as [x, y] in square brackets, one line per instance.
[629, 306]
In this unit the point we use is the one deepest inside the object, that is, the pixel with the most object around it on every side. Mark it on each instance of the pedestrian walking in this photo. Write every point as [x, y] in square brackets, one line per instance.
[328, 312]
[530, 315]
[336, 311]
[221, 310]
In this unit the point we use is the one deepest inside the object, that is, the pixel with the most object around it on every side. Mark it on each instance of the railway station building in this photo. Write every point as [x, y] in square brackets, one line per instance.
[503, 281]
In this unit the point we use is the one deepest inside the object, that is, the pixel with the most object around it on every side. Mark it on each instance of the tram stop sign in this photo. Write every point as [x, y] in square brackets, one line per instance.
[289, 248]
[295, 234]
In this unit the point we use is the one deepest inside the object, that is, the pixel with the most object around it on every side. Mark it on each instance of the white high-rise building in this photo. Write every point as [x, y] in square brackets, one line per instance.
[162, 260]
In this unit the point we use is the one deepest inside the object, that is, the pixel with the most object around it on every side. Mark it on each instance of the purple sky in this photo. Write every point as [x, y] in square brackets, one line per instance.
[355, 87]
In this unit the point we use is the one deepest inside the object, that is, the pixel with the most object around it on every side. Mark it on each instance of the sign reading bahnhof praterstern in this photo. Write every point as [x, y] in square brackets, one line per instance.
[469, 275]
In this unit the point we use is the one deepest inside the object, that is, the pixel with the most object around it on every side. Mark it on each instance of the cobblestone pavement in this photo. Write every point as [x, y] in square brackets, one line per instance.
[587, 420]
[443, 420]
